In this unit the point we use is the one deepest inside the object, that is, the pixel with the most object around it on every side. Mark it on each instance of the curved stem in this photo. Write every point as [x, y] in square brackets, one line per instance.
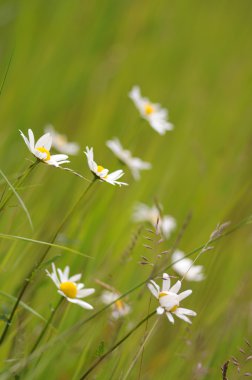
[20, 179]
[40, 337]
[140, 351]
[36, 267]
[101, 358]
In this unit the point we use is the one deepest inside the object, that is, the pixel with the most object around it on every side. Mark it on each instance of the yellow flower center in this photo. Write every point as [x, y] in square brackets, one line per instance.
[162, 294]
[44, 150]
[174, 308]
[148, 109]
[100, 168]
[119, 305]
[69, 289]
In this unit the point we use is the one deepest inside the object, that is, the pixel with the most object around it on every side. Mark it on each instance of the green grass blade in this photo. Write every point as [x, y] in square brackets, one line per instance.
[18, 197]
[58, 246]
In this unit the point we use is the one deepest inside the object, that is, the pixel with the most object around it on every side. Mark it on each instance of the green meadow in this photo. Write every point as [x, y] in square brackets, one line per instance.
[72, 64]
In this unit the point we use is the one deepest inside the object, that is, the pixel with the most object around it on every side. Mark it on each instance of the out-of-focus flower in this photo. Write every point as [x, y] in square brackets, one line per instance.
[102, 173]
[61, 143]
[169, 299]
[185, 268]
[165, 224]
[152, 112]
[135, 164]
[41, 149]
[68, 286]
[119, 308]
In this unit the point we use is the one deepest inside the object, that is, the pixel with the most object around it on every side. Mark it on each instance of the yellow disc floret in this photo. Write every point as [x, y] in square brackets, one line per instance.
[69, 289]
[119, 305]
[44, 150]
[162, 294]
[148, 108]
[174, 308]
[100, 168]
[169, 304]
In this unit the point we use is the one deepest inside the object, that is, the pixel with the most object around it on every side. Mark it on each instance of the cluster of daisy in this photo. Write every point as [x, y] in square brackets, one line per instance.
[69, 286]
[152, 112]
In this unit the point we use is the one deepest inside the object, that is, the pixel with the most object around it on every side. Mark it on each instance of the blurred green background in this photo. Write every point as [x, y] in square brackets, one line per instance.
[73, 64]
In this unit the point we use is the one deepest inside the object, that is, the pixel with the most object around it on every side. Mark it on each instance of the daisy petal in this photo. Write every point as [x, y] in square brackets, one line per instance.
[184, 294]
[75, 278]
[31, 138]
[154, 288]
[166, 282]
[182, 316]
[81, 303]
[160, 310]
[85, 292]
[44, 141]
[170, 317]
[175, 288]
[184, 311]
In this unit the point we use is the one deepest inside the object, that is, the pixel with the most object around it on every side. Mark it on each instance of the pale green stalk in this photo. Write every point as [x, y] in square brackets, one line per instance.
[41, 242]
[41, 335]
[102, 357]
[20, 179]
[141, 350]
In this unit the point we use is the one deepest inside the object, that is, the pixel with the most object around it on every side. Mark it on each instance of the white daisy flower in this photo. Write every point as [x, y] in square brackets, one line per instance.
[166, 223]
[152, 112]
[169, 299]
[135, 164]
[119, 308]
[41, 149]
[102, 173]
[60, 142]
[185, 268]
[68, 286]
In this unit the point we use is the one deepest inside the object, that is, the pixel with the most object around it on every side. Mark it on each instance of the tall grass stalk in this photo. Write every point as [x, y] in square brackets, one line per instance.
[41, 335]
[19, 181]
[140, 351]
[102, 357]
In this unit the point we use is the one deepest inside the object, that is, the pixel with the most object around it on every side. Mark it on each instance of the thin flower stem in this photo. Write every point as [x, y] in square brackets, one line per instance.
[145, 331]
[141, 349]
[177, 241]
[196, 258]
[101, 358]
[46, 326]
[36, 267]
[20, 179]
[42, 335]
[6, 73]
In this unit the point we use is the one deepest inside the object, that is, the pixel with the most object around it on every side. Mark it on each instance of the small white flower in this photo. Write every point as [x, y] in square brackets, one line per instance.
[41, 149]
[119, 308]
[135, 164]
[102, 173]
[166, 223]
[68, 286]
[60, 142]
[169, 299]
[185, 268]
[152, 112]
